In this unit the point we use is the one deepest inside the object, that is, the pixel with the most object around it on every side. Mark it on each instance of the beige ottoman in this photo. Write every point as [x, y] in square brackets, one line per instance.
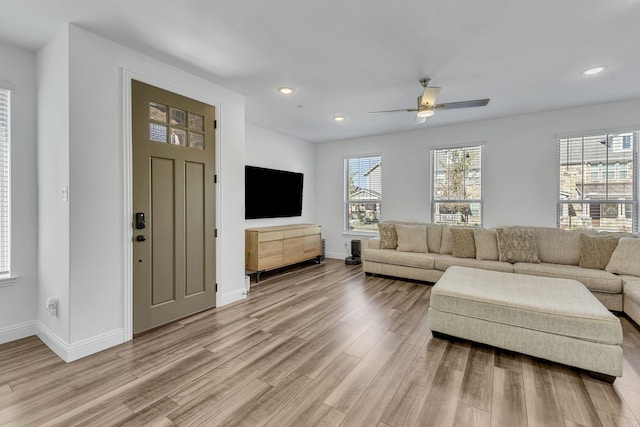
[553, 319]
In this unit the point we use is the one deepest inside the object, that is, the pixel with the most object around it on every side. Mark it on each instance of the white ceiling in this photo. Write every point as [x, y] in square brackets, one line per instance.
[349, 57]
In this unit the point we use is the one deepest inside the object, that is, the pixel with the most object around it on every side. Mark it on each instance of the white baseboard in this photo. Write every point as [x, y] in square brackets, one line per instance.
[70, 352]
[16, 332]
[336, 255]
[230, 297]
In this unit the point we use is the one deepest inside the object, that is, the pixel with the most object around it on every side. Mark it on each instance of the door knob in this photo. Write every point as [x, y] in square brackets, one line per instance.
[141, 238]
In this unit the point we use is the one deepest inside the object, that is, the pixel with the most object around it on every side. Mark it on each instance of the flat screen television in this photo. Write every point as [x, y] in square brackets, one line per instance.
[271, 193]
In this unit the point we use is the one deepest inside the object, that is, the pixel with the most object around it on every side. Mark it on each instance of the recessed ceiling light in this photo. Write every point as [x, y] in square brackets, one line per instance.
[594, 70]
[286, 90]
[338, 118]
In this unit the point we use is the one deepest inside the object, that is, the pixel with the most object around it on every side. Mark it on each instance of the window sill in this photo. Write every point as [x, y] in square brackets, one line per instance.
[359, 234]
[7, 281]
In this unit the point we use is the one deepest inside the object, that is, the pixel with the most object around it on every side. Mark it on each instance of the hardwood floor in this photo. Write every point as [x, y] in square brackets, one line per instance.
[316, 345]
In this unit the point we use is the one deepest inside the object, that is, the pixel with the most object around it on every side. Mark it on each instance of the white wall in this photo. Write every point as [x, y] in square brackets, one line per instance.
[268, 149]
[99, 233]
[53, 175]
[18, 299]
[520, 166]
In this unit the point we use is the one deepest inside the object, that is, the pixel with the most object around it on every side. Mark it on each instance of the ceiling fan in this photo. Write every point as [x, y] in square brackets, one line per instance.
[427, 103]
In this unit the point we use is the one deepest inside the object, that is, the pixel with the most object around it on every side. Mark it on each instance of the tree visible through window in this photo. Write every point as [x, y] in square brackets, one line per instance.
[597, 188]
[4, 181]
[457, 186]
[363, 193]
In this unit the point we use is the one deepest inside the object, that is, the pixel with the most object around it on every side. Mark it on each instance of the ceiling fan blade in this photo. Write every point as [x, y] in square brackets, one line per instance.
[429, 96]
[462, 104]
[404, 110]
[420, 120]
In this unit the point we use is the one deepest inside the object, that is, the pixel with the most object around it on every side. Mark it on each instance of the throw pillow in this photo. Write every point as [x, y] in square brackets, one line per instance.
[463, 243]
[434, 237]
[595, 251]
[626, 257]
[412, 238]
[388, 236]
[446, 244]
[517, 245]
[486, 244]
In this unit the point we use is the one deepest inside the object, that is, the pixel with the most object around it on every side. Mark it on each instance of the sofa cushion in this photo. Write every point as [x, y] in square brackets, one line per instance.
[443, 262]
[446, 244]
[632, 290]
[486, 244]
[626, 258]
[463, 243]
[412, 238]
[517, 245]
[594, 280]
[373, 243]
[595, 251]
[558, 246]
[408, 259]
[388, 235]
[434, 237]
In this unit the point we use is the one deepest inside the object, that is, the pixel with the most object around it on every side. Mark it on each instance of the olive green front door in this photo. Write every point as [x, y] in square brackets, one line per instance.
[174, 206]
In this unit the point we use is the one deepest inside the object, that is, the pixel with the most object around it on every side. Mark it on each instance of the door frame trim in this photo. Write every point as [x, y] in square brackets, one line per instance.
[127, 232]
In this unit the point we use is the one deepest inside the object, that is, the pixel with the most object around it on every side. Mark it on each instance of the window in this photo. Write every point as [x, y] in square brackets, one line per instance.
[596, 185]
[363, 193]
[456, 186]
[5, 98]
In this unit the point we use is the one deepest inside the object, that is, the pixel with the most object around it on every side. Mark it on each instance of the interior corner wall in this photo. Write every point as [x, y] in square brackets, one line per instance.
[53, 175]
[520, 166]
[18, 300]
[97, 176]
[269, 149]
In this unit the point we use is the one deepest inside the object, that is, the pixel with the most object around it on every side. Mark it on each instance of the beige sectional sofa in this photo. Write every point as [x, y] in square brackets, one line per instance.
[608, 264]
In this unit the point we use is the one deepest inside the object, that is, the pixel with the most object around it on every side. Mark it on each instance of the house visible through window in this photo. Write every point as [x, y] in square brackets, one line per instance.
[363, 193]
[5, 135]
[456, 185]
[597, 183]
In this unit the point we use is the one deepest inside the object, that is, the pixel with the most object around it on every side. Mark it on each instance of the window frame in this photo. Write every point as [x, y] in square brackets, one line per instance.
[5, 274]
[432, 179]
[564, 205]
[346, 202]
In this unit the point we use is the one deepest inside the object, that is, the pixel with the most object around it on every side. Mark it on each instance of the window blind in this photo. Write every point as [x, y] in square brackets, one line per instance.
[456, 184]
[598, 185]
[363, 193]
[5, 99]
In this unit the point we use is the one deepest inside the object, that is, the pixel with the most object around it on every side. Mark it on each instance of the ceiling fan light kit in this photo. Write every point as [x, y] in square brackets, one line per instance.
[427, 103]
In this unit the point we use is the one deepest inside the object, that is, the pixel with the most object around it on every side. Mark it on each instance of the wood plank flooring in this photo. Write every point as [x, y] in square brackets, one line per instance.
[315, 345]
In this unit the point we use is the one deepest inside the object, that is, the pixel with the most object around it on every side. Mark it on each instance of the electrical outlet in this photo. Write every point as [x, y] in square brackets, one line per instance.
[52, 306]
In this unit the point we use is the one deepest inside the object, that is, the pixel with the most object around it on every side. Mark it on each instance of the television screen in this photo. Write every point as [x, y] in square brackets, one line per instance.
[271, 193]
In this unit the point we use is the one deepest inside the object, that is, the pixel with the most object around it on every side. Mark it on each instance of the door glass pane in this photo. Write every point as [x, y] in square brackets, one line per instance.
[196, 122]
[196, 140]
[178, 117]
[178, 136]
[157, 112]
[157, 132]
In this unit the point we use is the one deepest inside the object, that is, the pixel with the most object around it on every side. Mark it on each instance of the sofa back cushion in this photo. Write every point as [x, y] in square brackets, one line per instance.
[557, 246]
[388, 235]
[595, 251]
[434, 237]
[412, 238]
[446, 244]
[517, 244]
[463, 242]
[626, 257]
[486, 244]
